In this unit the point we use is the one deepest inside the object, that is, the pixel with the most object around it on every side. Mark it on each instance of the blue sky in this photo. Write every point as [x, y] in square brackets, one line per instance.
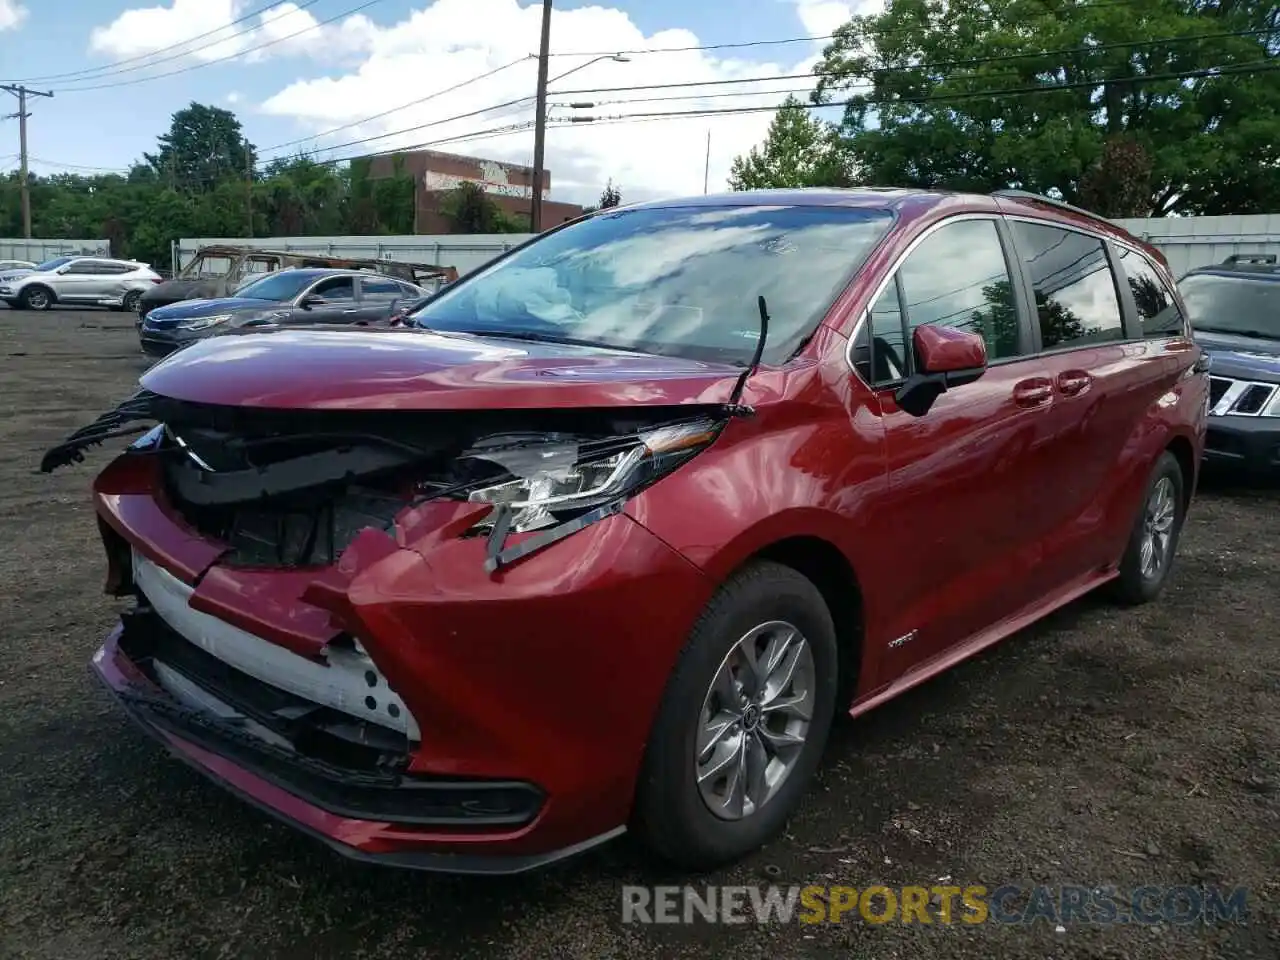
[392, 52]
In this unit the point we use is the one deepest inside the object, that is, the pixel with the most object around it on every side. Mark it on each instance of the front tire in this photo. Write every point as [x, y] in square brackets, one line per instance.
[743, 720]
[1153, 543]
[36, 298]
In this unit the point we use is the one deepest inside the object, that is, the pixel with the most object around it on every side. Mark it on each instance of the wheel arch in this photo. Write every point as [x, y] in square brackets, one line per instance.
[53, 295]
[825, 566]
[1185, 454]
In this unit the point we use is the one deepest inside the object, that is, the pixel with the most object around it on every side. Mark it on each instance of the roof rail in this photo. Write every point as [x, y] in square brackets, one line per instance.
[1040, 198]
[1262, 259]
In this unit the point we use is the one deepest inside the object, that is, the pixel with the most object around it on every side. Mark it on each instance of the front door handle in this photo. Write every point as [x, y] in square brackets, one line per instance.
[1034, 392]
[1202, 364]
[1074, 382]
[352, 310]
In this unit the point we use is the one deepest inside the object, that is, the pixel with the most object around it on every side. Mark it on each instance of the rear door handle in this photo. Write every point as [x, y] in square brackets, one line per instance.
[352, 310]
[1034, 392]
[1074, 382]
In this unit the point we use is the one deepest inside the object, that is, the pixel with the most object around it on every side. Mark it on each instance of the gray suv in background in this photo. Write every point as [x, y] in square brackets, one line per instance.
[84, 281]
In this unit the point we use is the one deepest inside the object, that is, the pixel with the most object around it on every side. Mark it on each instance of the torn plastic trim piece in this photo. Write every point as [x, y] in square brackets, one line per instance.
[206, 488]
[114, 423]
[499, 557]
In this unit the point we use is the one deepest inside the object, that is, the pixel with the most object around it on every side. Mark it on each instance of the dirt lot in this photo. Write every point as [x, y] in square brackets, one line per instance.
[1102, 747]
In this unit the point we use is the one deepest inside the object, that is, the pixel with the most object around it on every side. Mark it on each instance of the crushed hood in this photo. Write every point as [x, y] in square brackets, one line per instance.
[371, 369]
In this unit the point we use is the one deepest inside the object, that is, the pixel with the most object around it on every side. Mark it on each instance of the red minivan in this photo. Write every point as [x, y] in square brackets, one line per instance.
[606, 538]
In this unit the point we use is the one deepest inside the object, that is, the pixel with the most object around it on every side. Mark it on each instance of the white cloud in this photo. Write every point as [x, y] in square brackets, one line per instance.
[450, 40]
[210, 27]
[233, 97]
[12, 14]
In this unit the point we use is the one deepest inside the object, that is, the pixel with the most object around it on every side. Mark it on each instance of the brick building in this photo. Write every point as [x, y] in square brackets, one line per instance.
[434, 174]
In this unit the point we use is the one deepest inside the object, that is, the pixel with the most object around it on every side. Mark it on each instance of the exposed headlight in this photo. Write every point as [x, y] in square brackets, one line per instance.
[556, 480]
[204, 323]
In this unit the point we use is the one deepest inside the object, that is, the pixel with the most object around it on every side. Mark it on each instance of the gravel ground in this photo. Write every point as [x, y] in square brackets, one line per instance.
[1100, 747]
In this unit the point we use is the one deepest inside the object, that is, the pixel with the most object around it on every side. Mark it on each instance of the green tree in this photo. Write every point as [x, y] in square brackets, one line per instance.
[799, 151]
[950, 95]
[610, 196]
[470, 209]
[203, 147]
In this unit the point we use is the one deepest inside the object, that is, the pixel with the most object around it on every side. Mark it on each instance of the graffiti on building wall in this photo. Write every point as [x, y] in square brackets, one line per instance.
[492, 178]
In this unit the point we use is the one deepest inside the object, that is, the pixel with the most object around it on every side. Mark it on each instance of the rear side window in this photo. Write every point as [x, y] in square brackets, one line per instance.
[1156, 304]
[956, 277]
[380, 289]
[1075, 291]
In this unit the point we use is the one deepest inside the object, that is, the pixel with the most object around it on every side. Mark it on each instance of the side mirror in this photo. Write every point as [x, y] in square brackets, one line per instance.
[311, 300]
[946, 357]
[62, 270]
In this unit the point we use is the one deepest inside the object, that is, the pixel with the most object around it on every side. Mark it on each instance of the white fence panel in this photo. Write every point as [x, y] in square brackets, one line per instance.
[466, 252]
[38, 251]
[1187, 242]
[1190, 242]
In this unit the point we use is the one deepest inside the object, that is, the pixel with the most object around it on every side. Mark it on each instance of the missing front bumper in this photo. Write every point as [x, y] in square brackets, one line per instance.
[313, 753]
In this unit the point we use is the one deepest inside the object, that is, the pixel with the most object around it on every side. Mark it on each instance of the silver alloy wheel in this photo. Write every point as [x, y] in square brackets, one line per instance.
[755, 720]
[1157, 528]
[37, 299]
[130, 303]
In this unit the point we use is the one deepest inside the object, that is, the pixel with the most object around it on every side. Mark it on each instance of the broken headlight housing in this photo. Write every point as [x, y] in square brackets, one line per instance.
[550, 480]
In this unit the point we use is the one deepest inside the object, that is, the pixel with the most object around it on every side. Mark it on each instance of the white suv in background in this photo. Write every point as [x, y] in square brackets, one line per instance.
[94, 281]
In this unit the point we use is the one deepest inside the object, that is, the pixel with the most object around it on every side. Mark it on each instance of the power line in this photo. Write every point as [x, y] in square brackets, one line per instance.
[1259, 66]
[78, 166]
[1100, 4]
[695, 96]
[700, 83]
[724, 111]
[414, 129]
[209, 63]
[705, 46]
[110, 68]
[915, 68]
[405, 106]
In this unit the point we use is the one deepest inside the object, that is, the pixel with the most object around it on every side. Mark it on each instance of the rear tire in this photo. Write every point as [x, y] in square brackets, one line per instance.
[1153, 543]
[718, 718]
[130, 302]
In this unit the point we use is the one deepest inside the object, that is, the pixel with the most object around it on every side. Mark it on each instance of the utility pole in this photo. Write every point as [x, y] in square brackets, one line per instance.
[540, 119]
[248, 190]
[21, 92]
[706, 169]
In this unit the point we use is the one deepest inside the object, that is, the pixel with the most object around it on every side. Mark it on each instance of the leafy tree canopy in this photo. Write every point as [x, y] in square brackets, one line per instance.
[799, 151]
[204, 146]
[610, 196]
[196, 185]
[951, 94]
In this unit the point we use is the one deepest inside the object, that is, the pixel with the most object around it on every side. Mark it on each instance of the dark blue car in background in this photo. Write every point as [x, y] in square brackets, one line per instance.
[293, 297]
[1234, 310]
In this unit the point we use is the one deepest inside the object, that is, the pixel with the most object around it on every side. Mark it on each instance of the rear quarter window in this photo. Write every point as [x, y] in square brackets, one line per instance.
[1152, 295]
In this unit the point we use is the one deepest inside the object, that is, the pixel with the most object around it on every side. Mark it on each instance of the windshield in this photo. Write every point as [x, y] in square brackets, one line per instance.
[1243, 305]
[681, 281]
[53, 264]
[281, 286]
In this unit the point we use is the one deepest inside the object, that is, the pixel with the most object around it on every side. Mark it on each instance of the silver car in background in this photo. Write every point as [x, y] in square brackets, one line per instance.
[85, 281]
